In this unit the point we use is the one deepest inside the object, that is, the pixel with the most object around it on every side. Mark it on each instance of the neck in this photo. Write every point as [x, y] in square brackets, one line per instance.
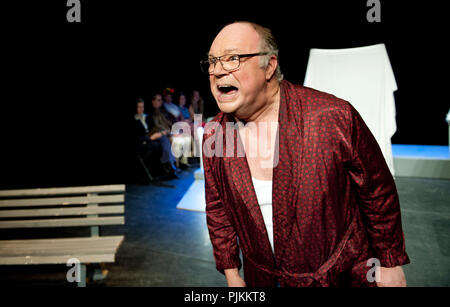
[268, 110]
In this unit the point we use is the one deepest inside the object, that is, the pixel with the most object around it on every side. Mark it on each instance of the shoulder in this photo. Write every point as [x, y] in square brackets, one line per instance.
[314, 99]
[315, 104]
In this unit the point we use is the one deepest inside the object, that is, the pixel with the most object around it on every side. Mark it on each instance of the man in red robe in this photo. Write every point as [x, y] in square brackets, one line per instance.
[335, 208]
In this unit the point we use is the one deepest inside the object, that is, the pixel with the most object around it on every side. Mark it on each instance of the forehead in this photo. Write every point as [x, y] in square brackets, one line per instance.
[235, 38]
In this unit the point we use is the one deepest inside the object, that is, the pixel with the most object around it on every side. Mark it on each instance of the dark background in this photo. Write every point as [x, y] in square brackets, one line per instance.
[69, 89]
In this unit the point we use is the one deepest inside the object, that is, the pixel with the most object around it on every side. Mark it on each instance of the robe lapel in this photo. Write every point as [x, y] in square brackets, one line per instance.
[242, 180]
[286, 173]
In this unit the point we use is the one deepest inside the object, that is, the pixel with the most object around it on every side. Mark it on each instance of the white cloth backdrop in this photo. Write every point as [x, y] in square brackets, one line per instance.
[363, 76]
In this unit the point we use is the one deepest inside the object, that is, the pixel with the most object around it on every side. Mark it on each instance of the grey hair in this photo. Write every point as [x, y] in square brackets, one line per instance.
[269, 45]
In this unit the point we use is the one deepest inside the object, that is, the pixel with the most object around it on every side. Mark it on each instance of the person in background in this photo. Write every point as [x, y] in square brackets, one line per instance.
[197, 105]
[169, 109]
[184, 108]
[181, 143]
[152, 139]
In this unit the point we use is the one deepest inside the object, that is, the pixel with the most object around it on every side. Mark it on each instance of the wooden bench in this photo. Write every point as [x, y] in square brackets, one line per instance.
[91, 206]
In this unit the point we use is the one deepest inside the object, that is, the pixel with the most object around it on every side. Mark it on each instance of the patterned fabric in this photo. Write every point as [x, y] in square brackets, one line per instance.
[335, 204]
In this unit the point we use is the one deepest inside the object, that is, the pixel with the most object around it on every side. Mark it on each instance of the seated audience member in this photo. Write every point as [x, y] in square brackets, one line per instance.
[181, 143]
[197, 105]
[153, 139]
[184, 108]
[171, 110]
[190, 120]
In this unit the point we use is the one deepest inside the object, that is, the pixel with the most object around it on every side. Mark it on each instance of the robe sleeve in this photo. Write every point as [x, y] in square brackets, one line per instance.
[221, 230]
[376, 194]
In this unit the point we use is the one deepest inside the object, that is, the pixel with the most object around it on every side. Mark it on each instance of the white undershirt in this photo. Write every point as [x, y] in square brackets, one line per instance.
[263, 189]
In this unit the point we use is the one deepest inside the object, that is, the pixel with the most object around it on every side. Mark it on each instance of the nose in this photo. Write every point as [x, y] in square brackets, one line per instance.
[218, 71]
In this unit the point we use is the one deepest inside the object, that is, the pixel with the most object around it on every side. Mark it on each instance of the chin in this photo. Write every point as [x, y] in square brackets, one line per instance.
[228, 107]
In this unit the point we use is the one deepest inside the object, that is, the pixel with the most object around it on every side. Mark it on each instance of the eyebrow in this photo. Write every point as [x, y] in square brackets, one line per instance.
[226, 51]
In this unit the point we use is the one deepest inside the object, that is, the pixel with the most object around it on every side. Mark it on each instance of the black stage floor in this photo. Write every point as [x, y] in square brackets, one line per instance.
[165, 246]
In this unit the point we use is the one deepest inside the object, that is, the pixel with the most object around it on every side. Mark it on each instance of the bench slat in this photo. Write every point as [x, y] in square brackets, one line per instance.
[59, 259]
[62, 240]
[49, 245]
[57, 252]
[24, 249]
[86, 253]
[62, 211]
[68, 222]
[80, 200]
[61, 191]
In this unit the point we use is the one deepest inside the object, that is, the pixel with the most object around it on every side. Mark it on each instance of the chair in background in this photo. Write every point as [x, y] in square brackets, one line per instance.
[152, 180]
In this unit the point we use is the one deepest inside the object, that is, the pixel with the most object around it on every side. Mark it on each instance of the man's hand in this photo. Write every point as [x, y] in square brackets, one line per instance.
[233, 278]
[392, 277]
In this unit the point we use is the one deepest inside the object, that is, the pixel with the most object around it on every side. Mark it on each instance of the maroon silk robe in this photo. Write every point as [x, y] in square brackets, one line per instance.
[335, 204]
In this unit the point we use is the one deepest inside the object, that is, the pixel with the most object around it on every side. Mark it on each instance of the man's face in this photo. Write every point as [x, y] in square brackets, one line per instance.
[248, 82]
[157, 102]
[168, 98]
[140, 108]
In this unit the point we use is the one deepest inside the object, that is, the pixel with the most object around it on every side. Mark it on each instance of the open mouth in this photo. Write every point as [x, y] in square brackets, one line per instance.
[227, 91]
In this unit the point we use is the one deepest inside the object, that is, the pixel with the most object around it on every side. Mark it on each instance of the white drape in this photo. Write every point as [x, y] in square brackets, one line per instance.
[363, 76]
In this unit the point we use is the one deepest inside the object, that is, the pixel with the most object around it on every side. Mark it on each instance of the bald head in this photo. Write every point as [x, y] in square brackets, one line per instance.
[239, 37]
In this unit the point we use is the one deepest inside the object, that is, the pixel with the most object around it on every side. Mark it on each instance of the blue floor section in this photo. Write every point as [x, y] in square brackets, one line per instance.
[420, 151]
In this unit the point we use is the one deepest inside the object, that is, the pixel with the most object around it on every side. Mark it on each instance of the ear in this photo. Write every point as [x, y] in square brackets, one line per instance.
[271, 67]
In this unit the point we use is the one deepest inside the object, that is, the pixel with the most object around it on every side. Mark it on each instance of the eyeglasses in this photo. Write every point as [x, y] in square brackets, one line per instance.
[229, 62]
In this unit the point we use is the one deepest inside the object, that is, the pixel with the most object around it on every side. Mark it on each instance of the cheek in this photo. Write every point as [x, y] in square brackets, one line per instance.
[211, 84]
[249, 84]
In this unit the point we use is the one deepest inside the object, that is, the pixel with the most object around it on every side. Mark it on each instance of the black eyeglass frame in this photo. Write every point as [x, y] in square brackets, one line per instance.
[219, 59]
